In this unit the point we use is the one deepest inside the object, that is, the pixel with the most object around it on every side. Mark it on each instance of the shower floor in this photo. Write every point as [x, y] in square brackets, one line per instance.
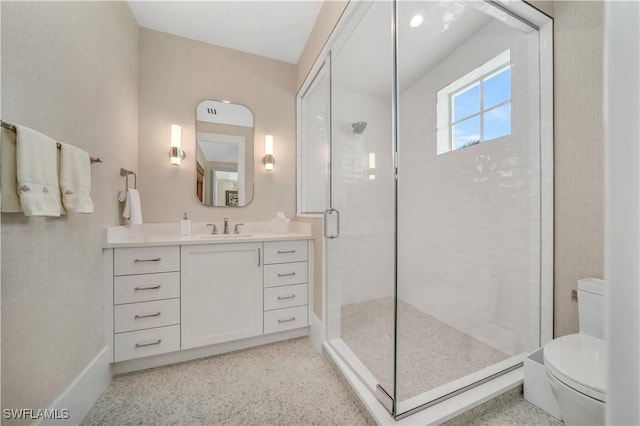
[430, 352]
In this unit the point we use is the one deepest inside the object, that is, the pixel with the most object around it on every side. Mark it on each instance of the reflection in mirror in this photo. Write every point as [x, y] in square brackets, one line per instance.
[224, 154]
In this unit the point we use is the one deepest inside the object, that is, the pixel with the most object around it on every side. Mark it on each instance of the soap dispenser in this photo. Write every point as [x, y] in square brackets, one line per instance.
[185, 225]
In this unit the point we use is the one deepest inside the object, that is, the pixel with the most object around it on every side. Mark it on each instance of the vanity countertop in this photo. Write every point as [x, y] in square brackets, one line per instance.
[168, 234]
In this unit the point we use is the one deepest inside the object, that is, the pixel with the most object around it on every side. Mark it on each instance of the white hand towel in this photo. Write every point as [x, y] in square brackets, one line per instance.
[8, 181]
[132, 207]
[75, 179]
[37, 172]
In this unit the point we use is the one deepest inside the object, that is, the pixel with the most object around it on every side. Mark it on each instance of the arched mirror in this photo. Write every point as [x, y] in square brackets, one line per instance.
[224, 154]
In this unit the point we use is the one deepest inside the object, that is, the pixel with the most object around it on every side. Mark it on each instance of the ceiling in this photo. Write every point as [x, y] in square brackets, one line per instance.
[419, 49]
[274, 29]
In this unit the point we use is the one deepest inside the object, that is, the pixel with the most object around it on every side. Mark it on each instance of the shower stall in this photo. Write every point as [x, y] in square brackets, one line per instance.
[426, 143]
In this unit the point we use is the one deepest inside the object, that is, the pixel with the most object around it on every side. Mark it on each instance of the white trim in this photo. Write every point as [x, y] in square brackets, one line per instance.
[436, 414]
[83, 392]
[205, 351]
[316, 330]
[622, 209]
[107, 276]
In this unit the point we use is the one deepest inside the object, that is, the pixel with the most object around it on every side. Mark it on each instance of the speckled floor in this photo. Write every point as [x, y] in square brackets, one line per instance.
[507, 409]
[430, 352]
[284, 383]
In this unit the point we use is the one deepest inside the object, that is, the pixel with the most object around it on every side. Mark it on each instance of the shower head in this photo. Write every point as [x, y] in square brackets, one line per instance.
[359, 127]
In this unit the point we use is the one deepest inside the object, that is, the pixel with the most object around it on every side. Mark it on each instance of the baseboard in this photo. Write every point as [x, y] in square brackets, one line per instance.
[76, 401]
[205, 351]
[316, 333]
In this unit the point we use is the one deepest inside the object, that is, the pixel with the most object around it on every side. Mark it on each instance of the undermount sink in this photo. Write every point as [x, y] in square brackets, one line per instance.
[219, 236]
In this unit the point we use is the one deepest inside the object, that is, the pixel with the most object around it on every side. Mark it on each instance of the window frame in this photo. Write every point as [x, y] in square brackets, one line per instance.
[444, 108]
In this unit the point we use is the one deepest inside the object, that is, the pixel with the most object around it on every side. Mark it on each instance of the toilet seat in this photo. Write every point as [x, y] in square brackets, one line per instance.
[579, 361]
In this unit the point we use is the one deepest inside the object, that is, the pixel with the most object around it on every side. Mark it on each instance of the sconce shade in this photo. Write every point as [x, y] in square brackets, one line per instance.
[176, 153]
[268, 145]
[268, 160]
[176, 135]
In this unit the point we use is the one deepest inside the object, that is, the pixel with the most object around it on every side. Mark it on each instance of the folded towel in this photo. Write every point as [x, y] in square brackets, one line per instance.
[37, 172]
[75, 179]
[8, 181]
[132, 207]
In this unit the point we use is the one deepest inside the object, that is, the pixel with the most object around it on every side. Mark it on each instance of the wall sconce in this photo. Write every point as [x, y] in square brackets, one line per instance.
[371, 171]
[268, 160]
[177, 154]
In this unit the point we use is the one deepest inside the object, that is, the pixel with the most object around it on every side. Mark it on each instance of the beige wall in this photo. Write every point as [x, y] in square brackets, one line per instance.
[176, 74]
[70, 70]
[325, 22]
[579, 152]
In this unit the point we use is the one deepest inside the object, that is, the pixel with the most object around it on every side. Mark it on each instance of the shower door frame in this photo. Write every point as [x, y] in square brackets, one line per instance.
[363, 382]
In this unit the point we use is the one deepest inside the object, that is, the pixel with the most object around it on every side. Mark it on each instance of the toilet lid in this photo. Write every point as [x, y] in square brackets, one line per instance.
[579, 361]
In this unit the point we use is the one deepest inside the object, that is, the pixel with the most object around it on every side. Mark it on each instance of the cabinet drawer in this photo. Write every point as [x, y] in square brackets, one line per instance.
[137, 316]
[146, 287]
[285, 274]
[285, 251]
[145, 260]
[285, 296]
[285, 319]
[155, 341]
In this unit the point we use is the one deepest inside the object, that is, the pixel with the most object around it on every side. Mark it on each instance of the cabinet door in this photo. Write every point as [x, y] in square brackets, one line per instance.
[221, 293]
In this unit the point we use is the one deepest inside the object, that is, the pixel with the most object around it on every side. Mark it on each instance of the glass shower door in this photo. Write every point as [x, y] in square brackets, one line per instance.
[360, 224]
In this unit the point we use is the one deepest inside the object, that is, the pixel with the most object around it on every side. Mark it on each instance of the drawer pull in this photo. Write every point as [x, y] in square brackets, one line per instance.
[142, 345]
[293, 296]
[154, 287]
[287, 320]
[290, 274]
[157, 259]
[286, 251]
[157, 314]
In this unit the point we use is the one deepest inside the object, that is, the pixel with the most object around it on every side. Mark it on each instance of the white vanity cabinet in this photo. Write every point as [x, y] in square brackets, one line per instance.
[146, 301]
[177, 298]
[222, 292]
[286, 277]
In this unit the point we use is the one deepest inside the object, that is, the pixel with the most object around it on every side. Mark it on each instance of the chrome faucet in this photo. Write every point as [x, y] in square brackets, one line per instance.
[226, 226]
[236, 230]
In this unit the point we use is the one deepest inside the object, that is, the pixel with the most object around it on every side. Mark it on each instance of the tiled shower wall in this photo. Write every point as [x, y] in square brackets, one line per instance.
[469, 220]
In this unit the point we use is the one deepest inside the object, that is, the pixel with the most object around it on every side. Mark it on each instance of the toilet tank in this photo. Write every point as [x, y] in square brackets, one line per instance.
[591, 306]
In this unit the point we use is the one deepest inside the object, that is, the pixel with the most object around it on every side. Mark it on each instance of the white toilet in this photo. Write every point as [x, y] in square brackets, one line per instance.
[576, 364]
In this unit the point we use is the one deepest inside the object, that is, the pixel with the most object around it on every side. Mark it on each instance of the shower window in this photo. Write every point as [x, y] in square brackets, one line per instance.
[476, 107]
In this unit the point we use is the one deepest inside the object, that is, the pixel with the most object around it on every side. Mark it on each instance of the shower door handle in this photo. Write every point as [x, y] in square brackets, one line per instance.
[333, 215]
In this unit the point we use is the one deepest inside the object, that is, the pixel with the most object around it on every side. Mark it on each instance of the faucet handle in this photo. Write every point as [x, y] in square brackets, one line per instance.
[235, 229]
[214, 230]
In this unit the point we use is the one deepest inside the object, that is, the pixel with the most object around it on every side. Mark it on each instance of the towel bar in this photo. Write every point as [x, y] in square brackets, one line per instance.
[11, 127]
[126, 173]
